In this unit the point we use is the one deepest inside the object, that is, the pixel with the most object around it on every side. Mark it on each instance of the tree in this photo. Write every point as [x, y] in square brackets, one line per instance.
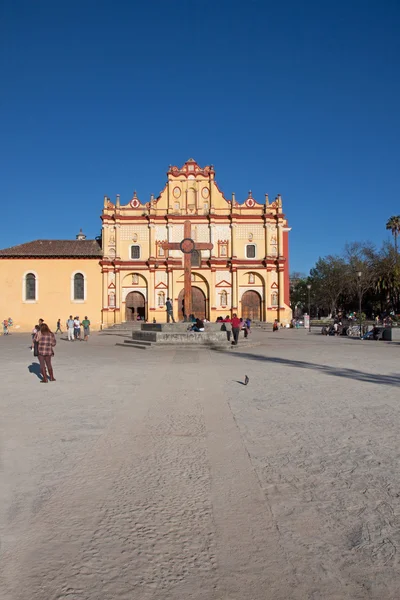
[298, 292]
[394, 225]
[388, 277]
[362, 260]
[328, 281]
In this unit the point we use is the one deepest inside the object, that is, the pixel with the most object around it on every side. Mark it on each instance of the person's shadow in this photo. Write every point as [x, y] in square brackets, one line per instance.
[34, 368]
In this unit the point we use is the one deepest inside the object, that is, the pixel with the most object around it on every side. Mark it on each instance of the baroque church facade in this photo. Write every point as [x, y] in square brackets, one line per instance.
[128, 274]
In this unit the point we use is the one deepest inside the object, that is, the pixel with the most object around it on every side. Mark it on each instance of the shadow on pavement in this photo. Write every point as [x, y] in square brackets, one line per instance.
[393, 379]
[34, 368]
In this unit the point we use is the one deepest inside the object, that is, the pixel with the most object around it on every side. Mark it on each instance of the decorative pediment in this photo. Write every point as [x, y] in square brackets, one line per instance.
[250, 202]
[190, 168]
[274, 286]
[161, 286]
[135, 202]
[223, 284]
[111, 286]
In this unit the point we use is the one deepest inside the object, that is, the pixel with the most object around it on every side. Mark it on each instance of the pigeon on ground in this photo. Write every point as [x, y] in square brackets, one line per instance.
[246, 380]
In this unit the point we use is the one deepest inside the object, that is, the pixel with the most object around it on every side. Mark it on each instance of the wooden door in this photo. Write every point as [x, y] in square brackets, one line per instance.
[135, 304]
[251, 306]
[199, 304]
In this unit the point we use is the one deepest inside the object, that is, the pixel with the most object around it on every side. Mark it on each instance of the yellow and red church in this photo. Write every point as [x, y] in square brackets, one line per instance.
[128, 274]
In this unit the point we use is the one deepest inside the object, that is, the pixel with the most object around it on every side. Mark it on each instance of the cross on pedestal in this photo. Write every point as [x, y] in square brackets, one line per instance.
[187, 246]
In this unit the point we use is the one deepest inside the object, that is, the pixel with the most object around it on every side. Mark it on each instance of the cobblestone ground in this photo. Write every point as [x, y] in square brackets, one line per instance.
[158, 475]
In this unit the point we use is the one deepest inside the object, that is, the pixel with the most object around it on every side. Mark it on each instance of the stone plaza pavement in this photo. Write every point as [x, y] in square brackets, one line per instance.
[157, 475]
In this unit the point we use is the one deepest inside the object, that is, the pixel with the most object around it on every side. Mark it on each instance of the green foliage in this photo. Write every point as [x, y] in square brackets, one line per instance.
[361, 272]
[393, 224]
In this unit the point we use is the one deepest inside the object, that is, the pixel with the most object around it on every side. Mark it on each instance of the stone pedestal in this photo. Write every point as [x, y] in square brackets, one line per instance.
[178, 334]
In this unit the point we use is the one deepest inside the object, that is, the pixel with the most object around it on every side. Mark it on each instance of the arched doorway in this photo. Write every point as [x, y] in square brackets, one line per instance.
[251, 306]
[199, 303]
[135, 304]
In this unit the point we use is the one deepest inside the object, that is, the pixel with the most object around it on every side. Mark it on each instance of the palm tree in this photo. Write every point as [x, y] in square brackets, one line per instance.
[394, 225]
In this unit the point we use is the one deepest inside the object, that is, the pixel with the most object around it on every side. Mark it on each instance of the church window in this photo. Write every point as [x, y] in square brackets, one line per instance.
[30, 286]
[79, 286]
[195, 258]
[250, 251]
[135, 252]
[224, 298]
[274, 299]
[161, 299]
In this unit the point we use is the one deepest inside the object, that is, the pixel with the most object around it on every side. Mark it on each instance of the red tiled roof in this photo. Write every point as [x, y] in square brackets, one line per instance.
[54, 248]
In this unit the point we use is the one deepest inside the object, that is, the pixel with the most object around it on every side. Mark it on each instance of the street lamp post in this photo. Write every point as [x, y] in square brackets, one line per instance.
[359, 274]
[309, 307]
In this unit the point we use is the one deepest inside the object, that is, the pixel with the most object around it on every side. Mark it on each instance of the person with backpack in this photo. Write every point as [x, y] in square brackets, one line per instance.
[46, 340]
[236, 325]
[227, 326]
[170, 311]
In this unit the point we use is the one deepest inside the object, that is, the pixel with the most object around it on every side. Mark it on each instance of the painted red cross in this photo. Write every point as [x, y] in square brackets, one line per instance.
[187, 246]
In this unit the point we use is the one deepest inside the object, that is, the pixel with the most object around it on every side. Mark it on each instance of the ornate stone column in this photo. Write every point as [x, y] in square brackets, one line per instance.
[150, 291]
[233, 239]
[117, 312]
[234, 291]
[105, 298]
[281, 292]
[280, 239]
[266, 231]
[152, 241]
[213, 301]
[212, 240]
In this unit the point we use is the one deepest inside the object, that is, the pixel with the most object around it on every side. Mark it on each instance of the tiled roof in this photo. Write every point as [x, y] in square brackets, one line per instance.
[54, 248]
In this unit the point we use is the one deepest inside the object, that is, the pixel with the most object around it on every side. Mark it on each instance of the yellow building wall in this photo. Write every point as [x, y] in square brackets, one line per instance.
[54, 292]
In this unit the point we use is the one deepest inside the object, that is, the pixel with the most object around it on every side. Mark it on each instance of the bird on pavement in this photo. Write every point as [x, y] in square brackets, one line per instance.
[246, 380]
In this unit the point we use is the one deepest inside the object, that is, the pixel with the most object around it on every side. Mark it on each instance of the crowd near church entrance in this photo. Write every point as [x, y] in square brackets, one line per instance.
[251, 305]
[135, 305]
[199, 304]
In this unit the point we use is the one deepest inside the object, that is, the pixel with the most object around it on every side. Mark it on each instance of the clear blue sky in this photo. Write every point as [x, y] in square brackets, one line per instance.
[300, 98]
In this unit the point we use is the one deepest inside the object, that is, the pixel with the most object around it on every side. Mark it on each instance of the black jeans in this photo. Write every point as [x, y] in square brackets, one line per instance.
[235, 331]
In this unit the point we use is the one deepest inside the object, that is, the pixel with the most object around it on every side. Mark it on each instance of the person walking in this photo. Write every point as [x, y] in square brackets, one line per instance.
[170, 311]
[70, 328]
[227, 325]
[5, 327]
[46, 340]
[236, 325]
[86, 329]
[58, 326]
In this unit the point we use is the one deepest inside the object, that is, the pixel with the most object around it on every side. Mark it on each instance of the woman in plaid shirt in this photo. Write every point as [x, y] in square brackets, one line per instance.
[46, 341]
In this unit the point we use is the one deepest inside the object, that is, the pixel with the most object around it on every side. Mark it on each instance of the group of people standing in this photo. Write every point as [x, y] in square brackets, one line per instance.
[233, 326]
[74, 328]
[7, 323]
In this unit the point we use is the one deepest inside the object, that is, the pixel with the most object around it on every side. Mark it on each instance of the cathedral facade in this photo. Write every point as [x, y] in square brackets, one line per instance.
[129, 274]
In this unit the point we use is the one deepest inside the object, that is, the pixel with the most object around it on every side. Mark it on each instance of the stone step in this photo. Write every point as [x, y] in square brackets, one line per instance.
[142, 342]
[136, 345]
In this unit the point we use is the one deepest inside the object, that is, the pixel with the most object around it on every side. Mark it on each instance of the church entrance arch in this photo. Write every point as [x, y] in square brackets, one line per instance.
[251, 306]
[199, 303]
[135, 304]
